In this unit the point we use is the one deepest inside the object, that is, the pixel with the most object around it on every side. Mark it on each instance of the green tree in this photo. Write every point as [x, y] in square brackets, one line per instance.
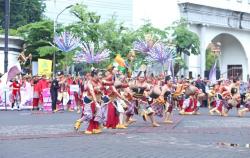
[37, 35]
[23, 12]
[148, 28]
[109, 34]
[211, 57]
[185, 41]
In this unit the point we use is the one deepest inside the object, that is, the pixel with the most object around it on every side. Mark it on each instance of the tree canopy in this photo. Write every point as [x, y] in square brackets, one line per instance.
[23, 12]
[105, 34]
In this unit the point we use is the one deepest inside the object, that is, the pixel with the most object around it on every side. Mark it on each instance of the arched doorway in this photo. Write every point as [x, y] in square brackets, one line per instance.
[232, 59]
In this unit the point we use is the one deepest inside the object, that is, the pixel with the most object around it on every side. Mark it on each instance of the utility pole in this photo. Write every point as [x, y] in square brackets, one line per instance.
[6, 40]
[6, 36]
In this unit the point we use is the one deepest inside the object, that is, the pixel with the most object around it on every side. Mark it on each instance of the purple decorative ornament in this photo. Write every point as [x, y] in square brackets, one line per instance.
[161, 54]
[88, 54]
[66, 42]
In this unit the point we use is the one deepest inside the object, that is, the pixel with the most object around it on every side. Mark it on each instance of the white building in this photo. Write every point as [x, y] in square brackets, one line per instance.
[123, 10]
[223, 21]
[15, 47]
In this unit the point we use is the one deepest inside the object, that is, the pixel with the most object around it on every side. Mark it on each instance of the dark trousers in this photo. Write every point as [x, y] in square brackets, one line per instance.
[54, 95]
[243, 97]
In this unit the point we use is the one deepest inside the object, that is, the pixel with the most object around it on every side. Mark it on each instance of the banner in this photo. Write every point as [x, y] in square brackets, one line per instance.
[212, 74]
[44, 67]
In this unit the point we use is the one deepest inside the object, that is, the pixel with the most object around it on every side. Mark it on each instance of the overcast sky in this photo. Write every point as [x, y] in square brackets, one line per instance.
[160, 12]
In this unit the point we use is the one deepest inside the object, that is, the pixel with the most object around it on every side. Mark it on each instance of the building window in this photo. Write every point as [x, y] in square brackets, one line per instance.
[234, 71]
[239, 1]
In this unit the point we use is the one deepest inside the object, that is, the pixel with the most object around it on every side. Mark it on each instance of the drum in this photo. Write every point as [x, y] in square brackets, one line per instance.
[201, 96]
[155, 93]
[178, 91]
[191, 90]
[234, 90]
[233, 102]
[160, 100]
[118, 84]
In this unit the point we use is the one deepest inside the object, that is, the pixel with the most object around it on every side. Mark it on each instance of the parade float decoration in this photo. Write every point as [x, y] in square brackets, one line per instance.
[144, 46]
[89, 55]
[156, 52]
[66, 41]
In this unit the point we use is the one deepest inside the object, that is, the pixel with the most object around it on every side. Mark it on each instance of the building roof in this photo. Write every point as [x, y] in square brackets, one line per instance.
[234, 5]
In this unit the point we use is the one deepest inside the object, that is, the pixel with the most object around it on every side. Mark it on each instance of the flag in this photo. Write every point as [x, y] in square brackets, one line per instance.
[13, 71]
[212, 74]
[170, 70]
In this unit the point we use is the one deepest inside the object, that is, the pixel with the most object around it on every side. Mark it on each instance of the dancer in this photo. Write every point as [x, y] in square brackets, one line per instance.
[16, 95]
[246, 109]
[190, 104]
[235, 98]
[92, 108]
[166, 94]
[140, 104]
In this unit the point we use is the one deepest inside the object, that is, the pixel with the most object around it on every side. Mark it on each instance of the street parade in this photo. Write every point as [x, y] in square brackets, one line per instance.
[111, 97]
[124, 78]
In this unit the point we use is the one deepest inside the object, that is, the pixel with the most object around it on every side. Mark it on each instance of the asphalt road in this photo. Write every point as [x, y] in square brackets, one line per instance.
[27, 134]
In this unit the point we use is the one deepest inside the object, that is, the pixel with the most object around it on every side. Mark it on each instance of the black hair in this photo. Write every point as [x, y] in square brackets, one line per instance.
[235, 80]
[167, 78]
[234, 91]
[139, 74]
[94, 73]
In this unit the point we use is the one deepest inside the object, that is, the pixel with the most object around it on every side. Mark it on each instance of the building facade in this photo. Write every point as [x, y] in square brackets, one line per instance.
[122, 10]
[215, 21]
[15, 47]
[226, 22]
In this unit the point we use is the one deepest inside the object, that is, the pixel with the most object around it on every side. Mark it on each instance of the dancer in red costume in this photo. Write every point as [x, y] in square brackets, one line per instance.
[92, 108]
[36, 89]
[191, 104]
[112, 99]
[42, 84]
[219, 96]
[16, 95]
[110, 93]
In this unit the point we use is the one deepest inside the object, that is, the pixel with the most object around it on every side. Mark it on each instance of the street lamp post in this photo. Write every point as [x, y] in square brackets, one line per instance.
[54, 31]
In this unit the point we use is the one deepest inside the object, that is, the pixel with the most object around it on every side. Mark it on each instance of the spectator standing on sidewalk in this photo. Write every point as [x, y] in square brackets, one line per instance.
[54, 93]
